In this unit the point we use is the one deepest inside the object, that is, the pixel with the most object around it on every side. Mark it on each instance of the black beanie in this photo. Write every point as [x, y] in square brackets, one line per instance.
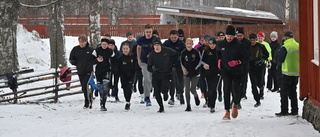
[181, 33]
[112, 42]
[156, 41]
[105, 40]
[240, 30]
[252, 36]
[230, 30]
[212, 40]
[220, 33]
[155, 32]
[288, 34]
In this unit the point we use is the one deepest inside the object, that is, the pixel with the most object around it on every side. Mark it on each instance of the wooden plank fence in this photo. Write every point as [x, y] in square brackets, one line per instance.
[38, 90]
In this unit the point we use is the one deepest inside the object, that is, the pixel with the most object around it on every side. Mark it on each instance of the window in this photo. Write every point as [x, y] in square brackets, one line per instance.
[315, 33]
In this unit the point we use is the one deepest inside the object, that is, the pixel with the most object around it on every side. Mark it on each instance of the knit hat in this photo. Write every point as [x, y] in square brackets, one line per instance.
[128, 34]
[155, 32]
[274, 34]
[111, 41]
[212, 40]
[261, 34]
[230, 30]
[207, 37]
[288, 34]
[220, 33]
[181, 33]
[105, 40]
[240, 30]
[252, 36]
[201, 37]
[156, 41]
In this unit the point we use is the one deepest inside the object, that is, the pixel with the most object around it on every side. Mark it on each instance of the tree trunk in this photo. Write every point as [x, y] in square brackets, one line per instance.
[9, 11]
[95, 31]
[57, 41]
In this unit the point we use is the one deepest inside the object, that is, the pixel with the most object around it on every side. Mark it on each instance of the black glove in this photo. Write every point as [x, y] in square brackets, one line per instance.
[154, 68]
[173, 69]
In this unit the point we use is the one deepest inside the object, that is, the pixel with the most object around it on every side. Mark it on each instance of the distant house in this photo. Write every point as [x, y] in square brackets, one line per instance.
[214, 15]
[309, 60]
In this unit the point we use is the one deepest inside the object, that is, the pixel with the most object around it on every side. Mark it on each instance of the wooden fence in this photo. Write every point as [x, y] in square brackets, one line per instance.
[43, 89]
[192, 31]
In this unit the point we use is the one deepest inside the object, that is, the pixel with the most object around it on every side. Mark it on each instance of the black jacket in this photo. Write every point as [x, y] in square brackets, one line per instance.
[106, 54]
[259, 52]
[232, 51]
[127, 65]
[274, 45]
[191, 61]
[179, 46]
[83, 59]
[210, 57]
[162, 63]
[247, 44]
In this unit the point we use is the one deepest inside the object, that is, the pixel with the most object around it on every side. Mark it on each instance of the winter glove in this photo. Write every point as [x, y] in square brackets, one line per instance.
[219, 63]
[233, 63]
[154, 68]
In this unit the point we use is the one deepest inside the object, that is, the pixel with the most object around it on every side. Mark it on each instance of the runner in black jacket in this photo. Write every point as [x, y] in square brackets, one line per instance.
[103, 70]
[161, 64]
[231, 55]
[127, 65]
[178, 45]
[190, 62]
[211, 72]
[81, 56]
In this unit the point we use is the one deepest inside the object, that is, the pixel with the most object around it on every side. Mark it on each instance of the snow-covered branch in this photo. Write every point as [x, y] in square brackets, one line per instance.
[38, 6]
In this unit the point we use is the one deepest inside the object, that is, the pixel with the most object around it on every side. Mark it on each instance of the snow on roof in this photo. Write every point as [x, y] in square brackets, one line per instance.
[227, 11]
[247, 13]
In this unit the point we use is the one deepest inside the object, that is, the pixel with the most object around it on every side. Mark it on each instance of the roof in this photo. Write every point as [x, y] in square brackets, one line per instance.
[223, 14]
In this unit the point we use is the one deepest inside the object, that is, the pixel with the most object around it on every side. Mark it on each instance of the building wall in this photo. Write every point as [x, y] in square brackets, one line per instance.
[309, 71]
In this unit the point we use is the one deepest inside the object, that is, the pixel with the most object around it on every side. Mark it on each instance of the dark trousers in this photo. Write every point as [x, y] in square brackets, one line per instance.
[289, 90]
[84, 81]
[203, 86]
[212, 90]
[220, 85]
[126, 86]
[114, 84]
[177, 83]
[231, 83]
[263, 80]
[256, 78]
[272, 77]
[138, 78]
[244, 82]
[161, 84]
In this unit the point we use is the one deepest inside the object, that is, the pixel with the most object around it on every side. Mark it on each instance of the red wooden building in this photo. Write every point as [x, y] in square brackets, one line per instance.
[309, 60]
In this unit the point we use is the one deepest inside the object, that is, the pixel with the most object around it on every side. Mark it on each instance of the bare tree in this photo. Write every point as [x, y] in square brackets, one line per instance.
[57, 41]
[9, 11]
[94, 23]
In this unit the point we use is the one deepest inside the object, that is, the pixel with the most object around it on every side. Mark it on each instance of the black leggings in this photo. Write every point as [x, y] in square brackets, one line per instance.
[84, 81]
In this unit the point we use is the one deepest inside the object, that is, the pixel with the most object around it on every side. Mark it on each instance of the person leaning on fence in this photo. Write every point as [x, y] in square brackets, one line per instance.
[81, 56]
[103, 69]
[289, 57]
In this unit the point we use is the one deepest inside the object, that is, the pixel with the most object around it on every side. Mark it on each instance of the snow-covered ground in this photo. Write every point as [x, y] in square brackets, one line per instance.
[68, 119]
